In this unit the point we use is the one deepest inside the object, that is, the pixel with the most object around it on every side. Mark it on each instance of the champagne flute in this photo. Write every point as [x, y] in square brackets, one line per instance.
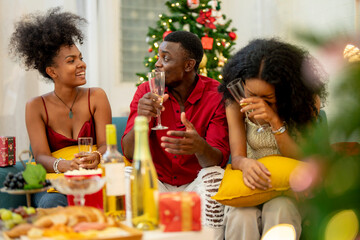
[157, 86]
[85, 146]
[236, 89]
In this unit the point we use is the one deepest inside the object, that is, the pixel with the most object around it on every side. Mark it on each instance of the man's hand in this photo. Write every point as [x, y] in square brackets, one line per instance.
[183, 142]
[149, 104]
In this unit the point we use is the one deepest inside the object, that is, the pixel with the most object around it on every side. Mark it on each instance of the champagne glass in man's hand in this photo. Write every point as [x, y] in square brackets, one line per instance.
[157, 86]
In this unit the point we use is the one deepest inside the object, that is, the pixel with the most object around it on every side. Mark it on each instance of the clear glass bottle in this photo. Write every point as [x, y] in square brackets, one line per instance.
[144, 186]
[113, 166]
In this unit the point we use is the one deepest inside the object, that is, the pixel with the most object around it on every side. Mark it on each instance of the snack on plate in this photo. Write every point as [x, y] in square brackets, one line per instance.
[72, 222]
[84, 172]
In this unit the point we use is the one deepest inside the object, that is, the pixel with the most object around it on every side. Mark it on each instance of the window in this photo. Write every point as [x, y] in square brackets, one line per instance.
[136, 17]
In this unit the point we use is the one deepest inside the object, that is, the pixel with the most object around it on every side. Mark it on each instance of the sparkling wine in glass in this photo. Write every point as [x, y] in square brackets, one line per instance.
[236, 89]
[85, 146]
[157, 86]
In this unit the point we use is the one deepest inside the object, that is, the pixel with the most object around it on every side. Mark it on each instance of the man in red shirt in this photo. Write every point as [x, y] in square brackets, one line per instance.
[189, 155]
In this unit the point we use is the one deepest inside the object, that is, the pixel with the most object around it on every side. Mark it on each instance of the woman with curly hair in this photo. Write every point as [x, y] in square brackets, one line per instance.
[55, 120]
[283, 89]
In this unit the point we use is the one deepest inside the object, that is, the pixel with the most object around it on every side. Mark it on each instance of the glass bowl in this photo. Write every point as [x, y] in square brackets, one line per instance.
[78, 186]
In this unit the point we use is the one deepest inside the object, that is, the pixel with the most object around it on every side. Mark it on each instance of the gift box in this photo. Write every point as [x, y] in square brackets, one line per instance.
[180, 211]
[7, 151]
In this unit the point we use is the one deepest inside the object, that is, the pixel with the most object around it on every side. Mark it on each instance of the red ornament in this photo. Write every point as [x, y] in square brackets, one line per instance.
[232, 35]
[150, 49]
[156, 57]
[166, 33]
[207, 42]
[192, 4]
[206, 19]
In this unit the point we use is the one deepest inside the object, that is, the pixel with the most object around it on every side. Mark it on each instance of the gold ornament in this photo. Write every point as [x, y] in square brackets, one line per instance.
[202, 65]
[203, 72]
[203, 61]
[351, 53]
[221, 61]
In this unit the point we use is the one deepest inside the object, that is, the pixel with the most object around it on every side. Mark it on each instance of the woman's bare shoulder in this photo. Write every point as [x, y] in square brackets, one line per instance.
[35, 102]
[97, 93]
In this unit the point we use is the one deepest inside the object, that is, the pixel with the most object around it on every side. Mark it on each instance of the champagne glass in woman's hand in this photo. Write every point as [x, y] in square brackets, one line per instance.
[236, 89]
[157, 86]
[85, 146]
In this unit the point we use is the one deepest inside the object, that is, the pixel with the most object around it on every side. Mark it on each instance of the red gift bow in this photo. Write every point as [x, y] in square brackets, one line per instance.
[206, 19]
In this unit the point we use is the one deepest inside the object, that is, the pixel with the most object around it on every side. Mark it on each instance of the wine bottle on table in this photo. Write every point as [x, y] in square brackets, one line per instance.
[114, 171]
[144, 186]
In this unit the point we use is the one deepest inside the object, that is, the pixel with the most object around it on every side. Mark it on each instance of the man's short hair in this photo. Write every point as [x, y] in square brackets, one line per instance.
[190, 42]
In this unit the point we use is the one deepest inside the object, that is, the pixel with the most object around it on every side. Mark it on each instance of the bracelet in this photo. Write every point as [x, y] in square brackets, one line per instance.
[279, 131]
[55, 165]
[100, 155]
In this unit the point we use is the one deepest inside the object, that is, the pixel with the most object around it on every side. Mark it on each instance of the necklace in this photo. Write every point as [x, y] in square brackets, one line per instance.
[70, 108]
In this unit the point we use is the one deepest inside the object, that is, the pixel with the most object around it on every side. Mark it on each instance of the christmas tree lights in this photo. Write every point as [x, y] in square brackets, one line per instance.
[203, 18]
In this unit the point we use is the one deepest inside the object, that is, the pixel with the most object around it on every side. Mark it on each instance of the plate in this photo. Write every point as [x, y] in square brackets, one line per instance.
[22, 191]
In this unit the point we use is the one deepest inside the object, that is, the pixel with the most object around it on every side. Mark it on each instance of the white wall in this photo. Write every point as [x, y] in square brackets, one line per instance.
[16, 84]
[279, 18]
[255, 18]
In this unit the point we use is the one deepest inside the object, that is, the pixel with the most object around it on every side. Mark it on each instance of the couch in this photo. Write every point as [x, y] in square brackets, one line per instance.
[13, 201]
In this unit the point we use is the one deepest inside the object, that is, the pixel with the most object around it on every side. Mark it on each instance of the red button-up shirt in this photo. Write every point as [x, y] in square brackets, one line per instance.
[205, 110]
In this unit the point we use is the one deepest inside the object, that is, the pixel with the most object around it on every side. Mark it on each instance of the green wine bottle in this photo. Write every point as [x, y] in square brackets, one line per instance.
[144, 185]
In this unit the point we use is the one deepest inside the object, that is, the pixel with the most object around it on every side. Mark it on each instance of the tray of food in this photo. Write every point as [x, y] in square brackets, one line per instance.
[72, 222]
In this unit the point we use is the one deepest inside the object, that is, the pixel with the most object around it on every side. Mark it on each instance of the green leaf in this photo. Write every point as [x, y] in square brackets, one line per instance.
[34, 175]
[33, 186]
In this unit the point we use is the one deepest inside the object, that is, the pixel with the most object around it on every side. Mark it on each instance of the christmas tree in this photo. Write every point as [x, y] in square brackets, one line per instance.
[203, 18]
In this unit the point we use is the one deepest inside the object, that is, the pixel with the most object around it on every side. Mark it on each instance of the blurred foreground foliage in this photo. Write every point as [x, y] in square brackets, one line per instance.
[337, 188]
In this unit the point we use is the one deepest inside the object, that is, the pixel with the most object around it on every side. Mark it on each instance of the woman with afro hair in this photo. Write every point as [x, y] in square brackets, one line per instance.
[283, 89]
[55, 120]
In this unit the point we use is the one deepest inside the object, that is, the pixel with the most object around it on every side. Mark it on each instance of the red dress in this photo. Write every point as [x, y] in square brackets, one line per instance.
[58, 141]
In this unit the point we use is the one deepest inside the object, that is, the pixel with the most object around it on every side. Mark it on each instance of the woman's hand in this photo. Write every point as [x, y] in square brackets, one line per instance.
[90, 161]
[255, 174]
[65, 165]
[259, 109]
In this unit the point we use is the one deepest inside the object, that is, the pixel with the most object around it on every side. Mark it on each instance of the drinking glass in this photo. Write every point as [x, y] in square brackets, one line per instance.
[157, 86]
[85, 146]
[236, 89]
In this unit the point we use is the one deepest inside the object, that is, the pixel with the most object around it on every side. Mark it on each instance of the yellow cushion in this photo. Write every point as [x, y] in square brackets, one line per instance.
[234, 192]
